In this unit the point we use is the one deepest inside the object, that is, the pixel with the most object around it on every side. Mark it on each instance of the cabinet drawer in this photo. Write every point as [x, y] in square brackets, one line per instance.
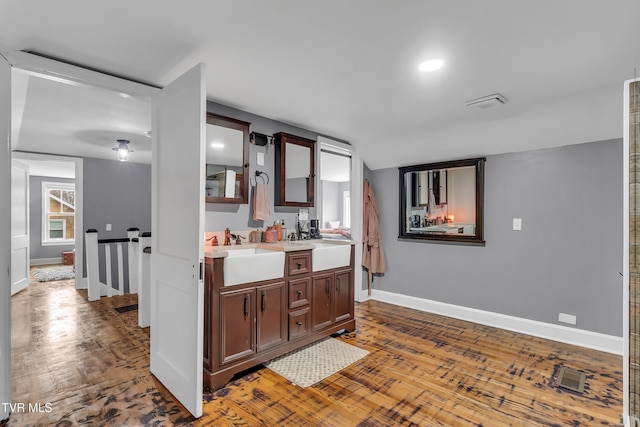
[299, 292]
[299, 322]
[299, 263]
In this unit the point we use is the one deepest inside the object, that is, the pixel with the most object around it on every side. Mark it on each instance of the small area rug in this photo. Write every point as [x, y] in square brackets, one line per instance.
[315, 362]
[53, 273]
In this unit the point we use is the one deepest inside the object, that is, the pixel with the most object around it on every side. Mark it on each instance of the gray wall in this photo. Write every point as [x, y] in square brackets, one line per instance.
[36, 250]
[567, 258]
[116, 193]
[218, 216]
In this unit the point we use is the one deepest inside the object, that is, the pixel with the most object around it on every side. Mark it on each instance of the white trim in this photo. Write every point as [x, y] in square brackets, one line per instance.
[46, 261]
[46, 239]
[564, 334]
[79, 221]
[356, 180]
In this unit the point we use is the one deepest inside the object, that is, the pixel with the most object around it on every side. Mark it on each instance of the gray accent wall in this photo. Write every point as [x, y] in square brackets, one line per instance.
[116, 193]
[567, 258]
[36, 250]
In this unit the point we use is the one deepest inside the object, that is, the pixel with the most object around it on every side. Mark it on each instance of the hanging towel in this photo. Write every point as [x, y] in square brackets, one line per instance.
[261, 209]
[372, 255]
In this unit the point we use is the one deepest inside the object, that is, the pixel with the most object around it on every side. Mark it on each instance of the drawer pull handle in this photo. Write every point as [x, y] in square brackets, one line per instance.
[264, 301]
[299, 323]
[299, 265]
[338, 284]
[246, 300]
[328, 285]
[299, 293]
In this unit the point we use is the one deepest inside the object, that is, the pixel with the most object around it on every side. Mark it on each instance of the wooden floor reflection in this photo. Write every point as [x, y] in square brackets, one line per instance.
[82, 363]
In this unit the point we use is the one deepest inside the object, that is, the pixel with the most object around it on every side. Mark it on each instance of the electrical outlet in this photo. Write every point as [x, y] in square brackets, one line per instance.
[567, 318]
[108, 227]
[517, 224]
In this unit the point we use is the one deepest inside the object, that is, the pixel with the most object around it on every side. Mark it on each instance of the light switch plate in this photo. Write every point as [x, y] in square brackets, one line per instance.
[260, 159]
[108, 227]
[517, 224]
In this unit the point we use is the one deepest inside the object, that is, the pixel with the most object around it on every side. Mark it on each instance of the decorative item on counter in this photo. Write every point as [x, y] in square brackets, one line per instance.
[283, 229]
[214, 241]
[271, 235]
[278, 227]
[227, 237]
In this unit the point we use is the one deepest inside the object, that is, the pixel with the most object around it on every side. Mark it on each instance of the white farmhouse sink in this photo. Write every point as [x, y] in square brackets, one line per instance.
[328, 255]
[252, 265]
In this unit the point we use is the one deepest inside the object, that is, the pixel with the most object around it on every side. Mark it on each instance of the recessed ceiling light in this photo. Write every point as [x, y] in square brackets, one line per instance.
[218, 145]
[431, 65]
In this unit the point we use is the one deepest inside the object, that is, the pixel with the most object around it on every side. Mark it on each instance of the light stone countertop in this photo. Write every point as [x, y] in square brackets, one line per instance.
[285, 246]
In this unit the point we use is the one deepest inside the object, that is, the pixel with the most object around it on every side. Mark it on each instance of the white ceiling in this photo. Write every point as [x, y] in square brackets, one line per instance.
[344, 69]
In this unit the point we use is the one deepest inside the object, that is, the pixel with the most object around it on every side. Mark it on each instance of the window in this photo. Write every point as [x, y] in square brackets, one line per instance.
[346, 208]
[58, 213]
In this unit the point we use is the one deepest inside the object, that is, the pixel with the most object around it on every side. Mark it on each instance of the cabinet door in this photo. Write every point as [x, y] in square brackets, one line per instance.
[343, 295]
[236, 324]
[271, 315]
[321, 301]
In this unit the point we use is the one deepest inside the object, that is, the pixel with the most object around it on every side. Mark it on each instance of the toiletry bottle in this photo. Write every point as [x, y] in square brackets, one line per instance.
[278, 229]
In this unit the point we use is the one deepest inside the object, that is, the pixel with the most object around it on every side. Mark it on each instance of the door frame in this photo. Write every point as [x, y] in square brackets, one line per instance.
[356, 180]
[81, 282]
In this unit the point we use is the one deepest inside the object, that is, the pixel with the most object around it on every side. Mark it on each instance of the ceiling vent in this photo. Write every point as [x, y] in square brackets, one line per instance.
[488, 101]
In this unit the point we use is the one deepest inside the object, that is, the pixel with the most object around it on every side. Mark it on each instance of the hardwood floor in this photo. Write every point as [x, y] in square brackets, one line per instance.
[85, 364]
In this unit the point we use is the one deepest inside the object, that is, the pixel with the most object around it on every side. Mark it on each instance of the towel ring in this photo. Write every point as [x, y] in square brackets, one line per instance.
[261, 175]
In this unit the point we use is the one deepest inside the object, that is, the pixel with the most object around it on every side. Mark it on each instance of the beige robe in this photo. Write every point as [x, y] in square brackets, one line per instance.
[372, 255]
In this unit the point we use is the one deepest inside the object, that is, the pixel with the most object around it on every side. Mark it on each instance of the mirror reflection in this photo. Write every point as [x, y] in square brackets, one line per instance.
[226, 160]
[298, 173]
[294, 170]
[442, 201]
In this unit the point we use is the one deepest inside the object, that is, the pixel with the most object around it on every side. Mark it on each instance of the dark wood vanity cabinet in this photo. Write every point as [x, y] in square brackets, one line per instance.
[332, 296]
[237, 337]
[251, 320]
[252, 323]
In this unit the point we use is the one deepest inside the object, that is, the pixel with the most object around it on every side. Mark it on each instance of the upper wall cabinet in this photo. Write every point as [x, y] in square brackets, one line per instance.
[227, 163]
[295, 170]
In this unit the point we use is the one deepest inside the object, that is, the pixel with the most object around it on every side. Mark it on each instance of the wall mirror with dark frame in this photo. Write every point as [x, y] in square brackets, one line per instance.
[443, 201]
[295, 170]
[227, 160]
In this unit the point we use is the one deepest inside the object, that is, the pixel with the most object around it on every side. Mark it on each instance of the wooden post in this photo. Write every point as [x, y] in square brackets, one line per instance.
[93, 272]
[120, 269]
[133, 255]
[107, 268]
[144, 280]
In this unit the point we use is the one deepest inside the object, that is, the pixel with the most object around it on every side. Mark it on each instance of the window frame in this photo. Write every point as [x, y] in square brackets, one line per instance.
[46, 240]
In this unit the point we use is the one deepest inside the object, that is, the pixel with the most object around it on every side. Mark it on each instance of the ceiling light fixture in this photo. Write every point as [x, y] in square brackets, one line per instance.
[431, 65]
[123, 150]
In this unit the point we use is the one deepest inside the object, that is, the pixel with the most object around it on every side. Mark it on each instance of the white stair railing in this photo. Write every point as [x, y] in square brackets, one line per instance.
[97, 288]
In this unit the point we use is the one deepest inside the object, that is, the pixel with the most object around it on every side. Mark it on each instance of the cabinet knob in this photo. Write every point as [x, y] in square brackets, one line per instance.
[299, 293]
[299, 323]
[299, 265]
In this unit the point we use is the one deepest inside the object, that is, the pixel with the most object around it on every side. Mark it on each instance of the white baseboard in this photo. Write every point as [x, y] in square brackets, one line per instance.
[574, 336]
[45, 261]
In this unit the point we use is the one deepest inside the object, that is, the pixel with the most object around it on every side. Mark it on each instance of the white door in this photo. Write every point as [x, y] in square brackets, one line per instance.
[19, 226]
[5, 237]
[177, 236]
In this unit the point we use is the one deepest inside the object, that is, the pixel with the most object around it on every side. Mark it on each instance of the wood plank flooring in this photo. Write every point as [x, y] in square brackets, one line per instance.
[90, 364]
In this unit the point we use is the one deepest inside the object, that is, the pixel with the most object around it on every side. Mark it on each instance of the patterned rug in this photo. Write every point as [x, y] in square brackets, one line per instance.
[315, 362]
[53, 273]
